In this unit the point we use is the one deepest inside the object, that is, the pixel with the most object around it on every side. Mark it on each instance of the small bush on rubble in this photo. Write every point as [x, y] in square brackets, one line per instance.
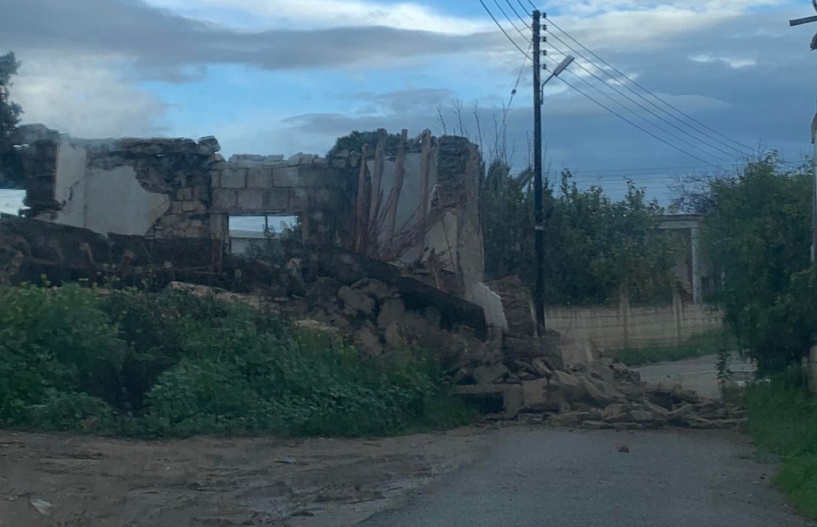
[130, 362]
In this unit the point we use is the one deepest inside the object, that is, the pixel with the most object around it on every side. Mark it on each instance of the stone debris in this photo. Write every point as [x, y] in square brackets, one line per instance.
[505, 373]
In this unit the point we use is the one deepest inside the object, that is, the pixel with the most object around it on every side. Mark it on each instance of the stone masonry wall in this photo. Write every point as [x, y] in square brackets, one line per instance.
[311, 187]
[177, 168]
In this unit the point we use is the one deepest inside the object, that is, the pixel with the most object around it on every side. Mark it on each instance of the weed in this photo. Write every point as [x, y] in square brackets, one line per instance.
[709, 343]
[783, 420]
[137, 363]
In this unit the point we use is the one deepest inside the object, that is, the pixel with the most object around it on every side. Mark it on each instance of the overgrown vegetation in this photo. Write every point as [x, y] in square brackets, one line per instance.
[783, 420]
[10, 169]
[601, 247]
[709, 343]
[172, 364]
[757, 236]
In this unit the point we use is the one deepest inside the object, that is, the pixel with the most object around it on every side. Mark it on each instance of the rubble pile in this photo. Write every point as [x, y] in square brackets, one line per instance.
[509, 372]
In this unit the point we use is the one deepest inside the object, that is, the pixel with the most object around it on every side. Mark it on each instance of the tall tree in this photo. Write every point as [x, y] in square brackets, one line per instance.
[9, 117]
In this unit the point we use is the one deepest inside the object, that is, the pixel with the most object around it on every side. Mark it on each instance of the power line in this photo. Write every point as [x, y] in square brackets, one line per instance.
[644, 119]
[519, 78]
[617, 90]
[498, 5]
[503, 29]
[524, 22]
[625, 85]
[656, 97]
[634, 124]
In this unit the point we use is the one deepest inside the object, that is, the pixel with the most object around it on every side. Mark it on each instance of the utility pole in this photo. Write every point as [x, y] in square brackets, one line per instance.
[539, 292]
[792, 23]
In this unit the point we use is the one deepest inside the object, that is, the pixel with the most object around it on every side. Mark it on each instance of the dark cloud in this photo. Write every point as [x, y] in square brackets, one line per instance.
[162, 42]
[768, 105]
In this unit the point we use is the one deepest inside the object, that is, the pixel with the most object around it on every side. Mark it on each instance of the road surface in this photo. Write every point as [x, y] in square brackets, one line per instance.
[699, 374]
[559, 478]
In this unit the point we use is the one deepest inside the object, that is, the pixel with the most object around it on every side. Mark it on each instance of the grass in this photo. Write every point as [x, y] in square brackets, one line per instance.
[783, 420]
[709, 343]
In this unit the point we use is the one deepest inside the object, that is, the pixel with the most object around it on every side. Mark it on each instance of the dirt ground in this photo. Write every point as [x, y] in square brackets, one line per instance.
[76, 481]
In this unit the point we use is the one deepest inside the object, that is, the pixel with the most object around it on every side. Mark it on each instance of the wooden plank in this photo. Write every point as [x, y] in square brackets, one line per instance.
[425, 168]
[397, 188]
[361, 212]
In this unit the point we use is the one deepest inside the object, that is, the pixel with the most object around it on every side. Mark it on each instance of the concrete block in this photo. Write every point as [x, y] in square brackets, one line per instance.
[215, 178]
[234, 178]
[184, 194]
[285, 177]
[260, 178]
[276, 199]
[250, 200]
[201, 193]
[316, 177]
[299, 200]
[326, 198]
[224, 200]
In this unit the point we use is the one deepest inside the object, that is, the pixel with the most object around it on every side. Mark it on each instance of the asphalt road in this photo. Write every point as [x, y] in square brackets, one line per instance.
[699, 374]
[555, 478]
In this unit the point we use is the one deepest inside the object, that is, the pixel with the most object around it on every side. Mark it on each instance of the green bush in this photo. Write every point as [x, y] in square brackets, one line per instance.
[173, 364]
[52, 339]
[783, 419]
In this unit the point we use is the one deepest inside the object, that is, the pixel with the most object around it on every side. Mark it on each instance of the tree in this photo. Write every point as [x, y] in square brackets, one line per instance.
[597, 248]
[9, 117]
[757, 235]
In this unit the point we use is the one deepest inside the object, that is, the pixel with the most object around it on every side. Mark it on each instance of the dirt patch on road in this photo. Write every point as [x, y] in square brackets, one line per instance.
[70, 481]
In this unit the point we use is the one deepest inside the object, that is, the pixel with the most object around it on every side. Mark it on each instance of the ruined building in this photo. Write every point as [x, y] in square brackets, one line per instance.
[415, 206]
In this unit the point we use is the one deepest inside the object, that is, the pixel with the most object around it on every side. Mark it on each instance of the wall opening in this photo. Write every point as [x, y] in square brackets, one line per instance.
[255, 235]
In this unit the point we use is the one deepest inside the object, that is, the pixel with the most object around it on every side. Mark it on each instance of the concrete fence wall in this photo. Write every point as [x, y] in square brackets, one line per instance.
[588, 331]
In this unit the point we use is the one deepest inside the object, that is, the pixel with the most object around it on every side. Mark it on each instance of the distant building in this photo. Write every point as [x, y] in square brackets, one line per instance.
[693, 273]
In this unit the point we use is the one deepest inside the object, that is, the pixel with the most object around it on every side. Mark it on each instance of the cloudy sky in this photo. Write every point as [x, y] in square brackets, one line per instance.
[287, 76]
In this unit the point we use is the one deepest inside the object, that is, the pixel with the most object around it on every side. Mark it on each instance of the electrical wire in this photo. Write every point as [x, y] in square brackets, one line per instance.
[656, 97]
[519, 78]
[617, 90]
[503, 29]
[518, 15]
[634, 124]
[511, 22]
[639, 95]
[674, 136]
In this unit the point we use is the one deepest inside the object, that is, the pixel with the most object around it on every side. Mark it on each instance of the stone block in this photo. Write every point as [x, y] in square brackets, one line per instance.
[285, 177]
[276, 199]
[535, 393]
[234, 178]
[315, 177]
[224, 200]
[250, 200]
[259, 178]
[184, 194]
[326, 198]
[215, 178]
[298, 200]
[189, 206]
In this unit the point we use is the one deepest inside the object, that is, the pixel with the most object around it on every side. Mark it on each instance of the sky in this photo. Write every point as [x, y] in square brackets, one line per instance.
[725, 79]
